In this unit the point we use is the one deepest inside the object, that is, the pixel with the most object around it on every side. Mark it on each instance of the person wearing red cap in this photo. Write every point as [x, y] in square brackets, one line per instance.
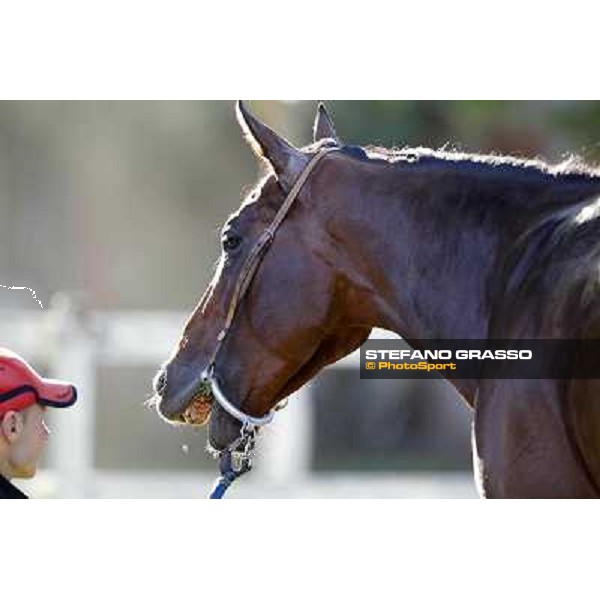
[24, 398]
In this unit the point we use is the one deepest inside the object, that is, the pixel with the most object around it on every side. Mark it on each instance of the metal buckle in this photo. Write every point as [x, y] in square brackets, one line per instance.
[241, 450]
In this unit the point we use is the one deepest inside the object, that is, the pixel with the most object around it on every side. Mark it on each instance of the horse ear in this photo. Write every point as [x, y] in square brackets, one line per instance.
[287, 161]
[323, 127]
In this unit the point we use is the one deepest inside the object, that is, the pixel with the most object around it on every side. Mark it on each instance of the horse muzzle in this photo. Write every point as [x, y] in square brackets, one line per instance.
[200, 400]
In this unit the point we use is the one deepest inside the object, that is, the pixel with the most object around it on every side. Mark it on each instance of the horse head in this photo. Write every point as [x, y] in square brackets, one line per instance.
[297, 314]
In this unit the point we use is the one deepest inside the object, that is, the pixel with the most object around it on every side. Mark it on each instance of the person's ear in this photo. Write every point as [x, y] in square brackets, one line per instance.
[12, 426]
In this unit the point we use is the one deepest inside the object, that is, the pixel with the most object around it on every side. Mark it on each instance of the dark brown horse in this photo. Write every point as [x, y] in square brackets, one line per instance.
[428, 244]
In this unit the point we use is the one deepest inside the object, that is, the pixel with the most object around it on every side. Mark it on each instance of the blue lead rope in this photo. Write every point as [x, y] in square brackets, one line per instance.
[219, 488]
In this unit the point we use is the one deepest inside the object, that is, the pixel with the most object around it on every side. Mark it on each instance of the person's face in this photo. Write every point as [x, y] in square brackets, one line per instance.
[28, 435]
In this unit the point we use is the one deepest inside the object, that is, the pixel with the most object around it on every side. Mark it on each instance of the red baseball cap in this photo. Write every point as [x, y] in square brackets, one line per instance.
[21, 386]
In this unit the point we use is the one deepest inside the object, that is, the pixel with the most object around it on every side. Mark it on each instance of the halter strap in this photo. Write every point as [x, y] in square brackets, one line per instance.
[243, 282]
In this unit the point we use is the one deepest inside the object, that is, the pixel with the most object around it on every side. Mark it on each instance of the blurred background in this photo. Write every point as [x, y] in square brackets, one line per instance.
[111, 212]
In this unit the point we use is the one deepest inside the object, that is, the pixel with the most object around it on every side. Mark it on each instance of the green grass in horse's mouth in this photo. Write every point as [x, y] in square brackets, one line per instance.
[198, 411]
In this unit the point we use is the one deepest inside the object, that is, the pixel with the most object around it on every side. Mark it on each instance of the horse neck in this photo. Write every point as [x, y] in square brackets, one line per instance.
[423, 247]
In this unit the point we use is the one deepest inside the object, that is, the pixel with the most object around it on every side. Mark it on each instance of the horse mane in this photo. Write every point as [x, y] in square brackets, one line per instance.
[573, 169]
[573, 166]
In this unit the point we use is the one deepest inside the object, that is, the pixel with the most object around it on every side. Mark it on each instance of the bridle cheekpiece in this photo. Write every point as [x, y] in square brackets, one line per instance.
[235, 460]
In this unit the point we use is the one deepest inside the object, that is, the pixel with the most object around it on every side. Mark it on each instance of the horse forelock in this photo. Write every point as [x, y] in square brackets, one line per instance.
[253, 198]
[251, 194]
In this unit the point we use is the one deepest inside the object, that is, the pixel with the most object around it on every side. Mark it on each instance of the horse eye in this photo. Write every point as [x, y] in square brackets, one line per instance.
[231, 242]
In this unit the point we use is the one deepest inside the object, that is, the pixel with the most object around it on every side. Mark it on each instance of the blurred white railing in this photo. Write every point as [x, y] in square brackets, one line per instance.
[73, 343]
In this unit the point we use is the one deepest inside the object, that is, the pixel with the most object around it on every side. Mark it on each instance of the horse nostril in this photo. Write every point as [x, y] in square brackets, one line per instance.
[160, 382]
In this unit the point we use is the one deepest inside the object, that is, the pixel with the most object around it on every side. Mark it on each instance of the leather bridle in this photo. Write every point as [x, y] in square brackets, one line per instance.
[253, 260]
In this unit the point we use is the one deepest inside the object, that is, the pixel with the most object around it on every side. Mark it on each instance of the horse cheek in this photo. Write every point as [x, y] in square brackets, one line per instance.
[284, 316]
